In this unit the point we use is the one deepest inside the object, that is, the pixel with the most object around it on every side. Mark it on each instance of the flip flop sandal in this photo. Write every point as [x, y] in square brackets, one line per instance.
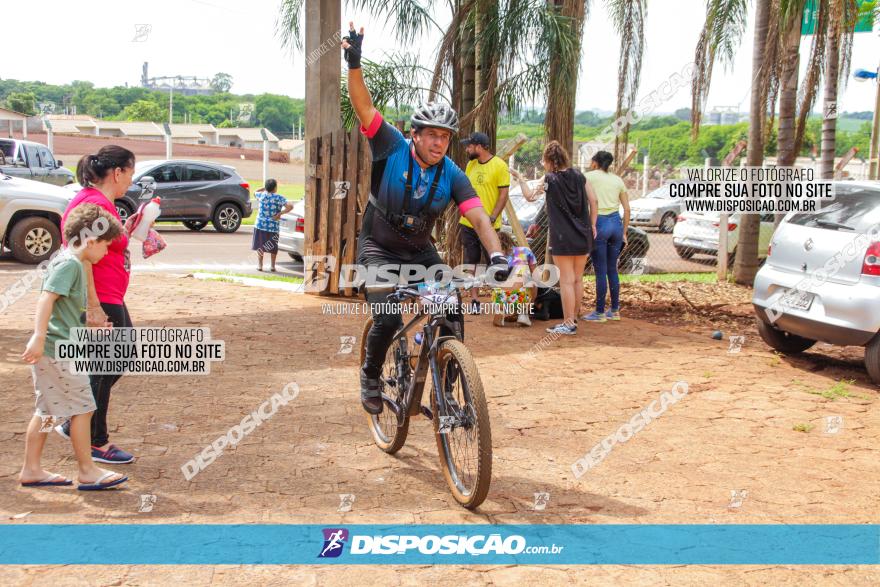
[99, 484]
[50, 481]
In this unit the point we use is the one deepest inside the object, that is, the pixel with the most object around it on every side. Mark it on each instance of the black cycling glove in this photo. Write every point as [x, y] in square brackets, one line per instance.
[353, 53]
[499, 268]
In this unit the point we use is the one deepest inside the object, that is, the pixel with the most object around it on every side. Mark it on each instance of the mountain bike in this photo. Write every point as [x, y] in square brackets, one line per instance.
[457, 402]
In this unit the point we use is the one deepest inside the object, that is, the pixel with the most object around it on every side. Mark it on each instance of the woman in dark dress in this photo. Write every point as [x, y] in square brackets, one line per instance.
[572, 210]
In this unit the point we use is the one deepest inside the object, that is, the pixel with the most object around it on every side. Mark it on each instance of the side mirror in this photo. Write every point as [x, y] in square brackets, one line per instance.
[147, 185]
[58, 164]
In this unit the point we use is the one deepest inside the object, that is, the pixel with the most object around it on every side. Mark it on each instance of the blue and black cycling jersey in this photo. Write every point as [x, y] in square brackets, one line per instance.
[393, 160]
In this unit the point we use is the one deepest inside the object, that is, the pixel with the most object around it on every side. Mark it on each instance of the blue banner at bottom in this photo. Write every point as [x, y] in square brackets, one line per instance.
[157, 544]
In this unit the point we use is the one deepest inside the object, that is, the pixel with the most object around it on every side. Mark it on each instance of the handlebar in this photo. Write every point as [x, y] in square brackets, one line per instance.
[409, 290]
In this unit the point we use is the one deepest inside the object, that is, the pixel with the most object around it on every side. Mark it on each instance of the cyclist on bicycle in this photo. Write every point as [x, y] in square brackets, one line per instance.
[412, 183]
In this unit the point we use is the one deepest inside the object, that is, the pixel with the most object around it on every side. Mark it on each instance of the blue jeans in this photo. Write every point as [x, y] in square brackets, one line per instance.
[606, 251]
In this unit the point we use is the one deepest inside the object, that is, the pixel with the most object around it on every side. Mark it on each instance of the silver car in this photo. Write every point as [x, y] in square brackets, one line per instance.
[291, 233]
[30, 217]
[821, 280]
[657, 210]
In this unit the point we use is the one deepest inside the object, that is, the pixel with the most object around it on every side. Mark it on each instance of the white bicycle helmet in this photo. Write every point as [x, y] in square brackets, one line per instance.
[435, 115]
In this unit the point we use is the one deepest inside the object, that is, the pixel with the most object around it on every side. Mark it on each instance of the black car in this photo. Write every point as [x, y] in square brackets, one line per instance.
[529, 213]
[193, 192]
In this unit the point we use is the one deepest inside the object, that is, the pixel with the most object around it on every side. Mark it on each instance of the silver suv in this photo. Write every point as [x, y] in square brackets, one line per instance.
[821, 280]
[30, 217]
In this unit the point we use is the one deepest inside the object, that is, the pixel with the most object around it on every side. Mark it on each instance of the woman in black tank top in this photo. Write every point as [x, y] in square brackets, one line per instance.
[572, 210]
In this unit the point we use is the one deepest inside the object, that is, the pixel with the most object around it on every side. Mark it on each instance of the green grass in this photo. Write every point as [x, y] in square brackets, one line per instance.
[802, 427]
[664, 277]
[268, 277]
[836, 391]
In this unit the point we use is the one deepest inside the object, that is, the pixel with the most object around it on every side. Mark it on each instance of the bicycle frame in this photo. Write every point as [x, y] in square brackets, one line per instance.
[427, 360]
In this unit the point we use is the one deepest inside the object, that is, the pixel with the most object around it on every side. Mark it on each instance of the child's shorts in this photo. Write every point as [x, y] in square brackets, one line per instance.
[60, 393]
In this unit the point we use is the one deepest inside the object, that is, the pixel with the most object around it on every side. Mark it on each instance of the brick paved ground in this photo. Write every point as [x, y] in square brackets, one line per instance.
[733, 431]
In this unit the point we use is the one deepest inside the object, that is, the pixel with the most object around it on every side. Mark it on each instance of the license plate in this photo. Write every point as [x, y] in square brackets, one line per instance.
[796, 300]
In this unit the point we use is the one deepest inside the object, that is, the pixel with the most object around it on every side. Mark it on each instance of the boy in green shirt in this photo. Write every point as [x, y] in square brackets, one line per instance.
[61, 394]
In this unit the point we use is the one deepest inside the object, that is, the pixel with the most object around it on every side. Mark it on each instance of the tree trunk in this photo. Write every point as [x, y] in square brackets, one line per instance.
[786, 150]
[829, 118]
[486, 76]
[468, 74]
[562, 84]
[788, 96]
[747, 248]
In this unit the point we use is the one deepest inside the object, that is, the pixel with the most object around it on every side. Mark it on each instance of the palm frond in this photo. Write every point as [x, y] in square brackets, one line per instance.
[288, 27]
[410, 19]
[720, 38]
[628, 17]
[397, 83]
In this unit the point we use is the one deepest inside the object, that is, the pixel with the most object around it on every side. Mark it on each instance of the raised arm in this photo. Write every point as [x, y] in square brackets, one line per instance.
[527, 192]
[358, 93]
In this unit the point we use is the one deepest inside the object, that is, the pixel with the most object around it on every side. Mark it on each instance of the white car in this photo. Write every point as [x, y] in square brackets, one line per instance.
[657, 209]
[821, 280]
[697, 233]
[30, 217]
[292, 233]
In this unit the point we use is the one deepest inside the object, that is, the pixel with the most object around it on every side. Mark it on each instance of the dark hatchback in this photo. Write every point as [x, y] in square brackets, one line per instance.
[192, 192]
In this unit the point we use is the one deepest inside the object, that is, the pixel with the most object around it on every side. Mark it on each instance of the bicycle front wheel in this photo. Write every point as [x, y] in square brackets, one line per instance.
[389, 434]
[461, 425]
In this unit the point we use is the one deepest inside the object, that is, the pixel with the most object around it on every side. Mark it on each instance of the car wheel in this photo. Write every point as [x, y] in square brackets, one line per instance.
[782, 341]
[667, 223]
[296, 257]
[123, 210]
[195, 225]
[685, 253]
[33, 239]
[872, 359]
[227, 218]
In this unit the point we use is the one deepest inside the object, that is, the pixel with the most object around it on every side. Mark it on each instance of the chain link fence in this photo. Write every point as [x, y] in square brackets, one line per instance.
[660, 237]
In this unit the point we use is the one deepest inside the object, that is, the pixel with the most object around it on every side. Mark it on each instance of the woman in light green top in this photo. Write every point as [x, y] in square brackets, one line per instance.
[610, 234]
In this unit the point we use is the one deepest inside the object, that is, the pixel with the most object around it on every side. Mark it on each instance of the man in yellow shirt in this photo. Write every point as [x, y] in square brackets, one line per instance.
[491, 179]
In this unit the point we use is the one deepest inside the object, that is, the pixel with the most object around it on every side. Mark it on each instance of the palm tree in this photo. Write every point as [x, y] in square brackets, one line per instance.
[628, 17]
[746, 265]
[842, 17]
[790, 40]
[562, 78]
[721, 36]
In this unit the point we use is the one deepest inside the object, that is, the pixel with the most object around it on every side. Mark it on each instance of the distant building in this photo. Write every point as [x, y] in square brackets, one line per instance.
[293, 147]
[187, 85]
[722, 115]
[194, 134]
[197, 134]
[245, 138]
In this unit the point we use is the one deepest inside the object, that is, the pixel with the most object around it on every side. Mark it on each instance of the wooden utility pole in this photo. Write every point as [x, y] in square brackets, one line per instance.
[323, 52]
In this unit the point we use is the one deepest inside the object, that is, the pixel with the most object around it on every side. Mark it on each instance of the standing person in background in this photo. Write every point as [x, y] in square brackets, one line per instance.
[266, 228]
[610, 234]
[105, 177]
[491, 179]
[571, 208]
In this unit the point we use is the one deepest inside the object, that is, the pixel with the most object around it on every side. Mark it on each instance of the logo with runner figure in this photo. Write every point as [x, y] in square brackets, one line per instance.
[334, 542]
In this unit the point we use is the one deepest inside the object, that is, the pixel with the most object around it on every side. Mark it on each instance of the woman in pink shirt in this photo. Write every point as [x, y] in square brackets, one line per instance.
[105, 176]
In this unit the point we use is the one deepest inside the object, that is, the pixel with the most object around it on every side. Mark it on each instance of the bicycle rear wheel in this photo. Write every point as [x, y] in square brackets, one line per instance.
[389, 433]
[461, 425]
